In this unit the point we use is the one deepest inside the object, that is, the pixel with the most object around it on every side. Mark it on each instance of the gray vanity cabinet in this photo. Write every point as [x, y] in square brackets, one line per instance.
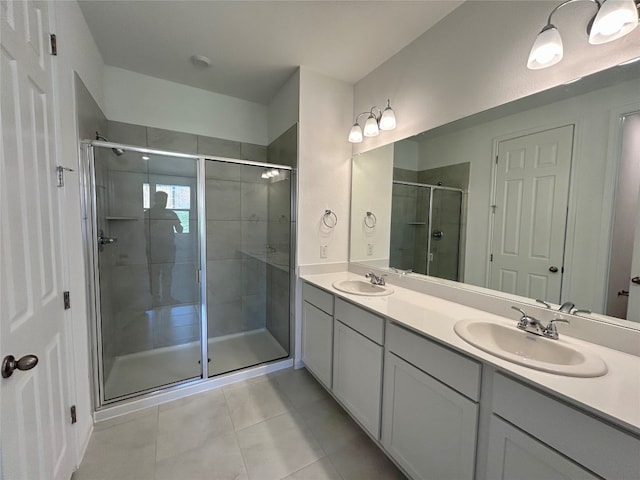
[514, 454]
[533, 435]
[317, 332]
[428, 427]
[357, 363]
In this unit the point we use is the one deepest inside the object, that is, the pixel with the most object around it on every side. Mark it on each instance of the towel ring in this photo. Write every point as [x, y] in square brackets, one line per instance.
[370, 220]
[331, 217]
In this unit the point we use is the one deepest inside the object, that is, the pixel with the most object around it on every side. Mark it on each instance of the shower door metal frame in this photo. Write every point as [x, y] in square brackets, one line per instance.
[90, 235]
[430, 218]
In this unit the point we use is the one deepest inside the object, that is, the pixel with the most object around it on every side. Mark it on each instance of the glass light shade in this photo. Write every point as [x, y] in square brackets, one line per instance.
[615, 19]
[371, 127]
[275, 172]
[388, 119]
[355, 135]
[547, 49]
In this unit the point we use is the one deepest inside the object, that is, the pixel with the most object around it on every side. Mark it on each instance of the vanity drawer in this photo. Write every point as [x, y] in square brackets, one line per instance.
[600, 447]
[451, 368]
[368, 324]
[318, 298]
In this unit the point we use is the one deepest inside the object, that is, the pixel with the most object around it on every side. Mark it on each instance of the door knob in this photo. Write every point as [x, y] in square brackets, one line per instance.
[437, 234]
[9, 364]
[636, 280]
[553, 269]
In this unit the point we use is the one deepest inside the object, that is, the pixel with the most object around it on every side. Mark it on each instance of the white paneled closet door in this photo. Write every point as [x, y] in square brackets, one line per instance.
[35, 425]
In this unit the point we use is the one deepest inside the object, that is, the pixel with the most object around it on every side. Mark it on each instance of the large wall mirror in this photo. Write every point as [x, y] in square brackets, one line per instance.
[538, 198]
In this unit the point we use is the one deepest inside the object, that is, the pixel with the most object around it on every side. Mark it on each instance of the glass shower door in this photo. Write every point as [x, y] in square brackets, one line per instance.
[148, 256]
[248, 213]
[446, 214]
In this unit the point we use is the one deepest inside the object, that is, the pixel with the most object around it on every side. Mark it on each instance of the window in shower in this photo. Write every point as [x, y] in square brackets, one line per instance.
[178, 200]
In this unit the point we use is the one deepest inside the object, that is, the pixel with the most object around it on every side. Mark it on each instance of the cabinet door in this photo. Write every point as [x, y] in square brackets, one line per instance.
[428, 428]
[317, 339]
[515, 455]
[357, 376]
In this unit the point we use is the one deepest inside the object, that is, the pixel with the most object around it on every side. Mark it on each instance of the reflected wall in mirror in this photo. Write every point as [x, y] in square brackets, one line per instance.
[549, 198]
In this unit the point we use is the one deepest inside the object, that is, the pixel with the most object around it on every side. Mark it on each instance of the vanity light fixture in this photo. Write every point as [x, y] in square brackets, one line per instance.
[613, 19]
[376, 121]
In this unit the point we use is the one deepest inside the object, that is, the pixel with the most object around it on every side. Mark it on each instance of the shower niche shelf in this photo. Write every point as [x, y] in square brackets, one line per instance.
[122, 218]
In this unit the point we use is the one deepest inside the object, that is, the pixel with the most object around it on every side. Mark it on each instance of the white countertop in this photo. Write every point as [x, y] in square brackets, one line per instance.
[614, 396]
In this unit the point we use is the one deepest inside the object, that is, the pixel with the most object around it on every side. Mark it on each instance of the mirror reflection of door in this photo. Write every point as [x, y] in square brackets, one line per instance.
[531, 195]
[623, 296]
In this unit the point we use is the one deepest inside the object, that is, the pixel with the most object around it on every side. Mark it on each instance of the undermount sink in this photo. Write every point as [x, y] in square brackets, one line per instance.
[533, 351]
[360, 287]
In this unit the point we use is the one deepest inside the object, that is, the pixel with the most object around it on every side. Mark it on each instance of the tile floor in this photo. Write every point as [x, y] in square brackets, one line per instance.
[280, 426]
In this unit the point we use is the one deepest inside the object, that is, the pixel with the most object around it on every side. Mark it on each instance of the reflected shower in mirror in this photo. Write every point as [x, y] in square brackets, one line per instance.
[544, 182]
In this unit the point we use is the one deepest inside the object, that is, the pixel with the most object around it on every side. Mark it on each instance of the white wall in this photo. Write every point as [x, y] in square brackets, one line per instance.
[77, 52]
[324, 174]
[475, 59]
[405, 155]
[324, 177]
[585, 279]
[284, 108]
[372, 173]
[143, 100]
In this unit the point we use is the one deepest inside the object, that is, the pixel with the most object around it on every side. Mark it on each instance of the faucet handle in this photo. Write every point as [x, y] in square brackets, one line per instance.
[551, 331]
[524, 320]
[576, 311]
[543, 302]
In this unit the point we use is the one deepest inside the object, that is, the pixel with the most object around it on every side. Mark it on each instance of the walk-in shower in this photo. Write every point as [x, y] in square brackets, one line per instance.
[189, 258]
[426, 223]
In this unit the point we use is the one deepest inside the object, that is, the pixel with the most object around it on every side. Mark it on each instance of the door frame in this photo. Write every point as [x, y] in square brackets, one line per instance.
[614, 160]
[571, 213]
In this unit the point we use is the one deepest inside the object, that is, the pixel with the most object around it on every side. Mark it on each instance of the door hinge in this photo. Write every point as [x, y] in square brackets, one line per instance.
[66, 296]
[74, 415]
[54, 44]
[60, 171]
[561, 269]
[198, 276]
[491, 257]
[496, 159]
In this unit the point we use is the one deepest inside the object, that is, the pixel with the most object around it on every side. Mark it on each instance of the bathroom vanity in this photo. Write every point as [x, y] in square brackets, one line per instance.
[442, 408]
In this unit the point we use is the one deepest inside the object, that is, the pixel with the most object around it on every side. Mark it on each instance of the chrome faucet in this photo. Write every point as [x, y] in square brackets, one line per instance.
[533, 325]
[375, 279]
[400, 271]
[566, 307]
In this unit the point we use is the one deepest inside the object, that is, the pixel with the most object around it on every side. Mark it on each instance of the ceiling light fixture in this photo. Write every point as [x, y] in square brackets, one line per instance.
[376, 121]
[613, 19]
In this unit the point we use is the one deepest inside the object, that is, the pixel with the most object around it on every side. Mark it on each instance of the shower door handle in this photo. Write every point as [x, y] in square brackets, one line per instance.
[102, 240]
[437, 234]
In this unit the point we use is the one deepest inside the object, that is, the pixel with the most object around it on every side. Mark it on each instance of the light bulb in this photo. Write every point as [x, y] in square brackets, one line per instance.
[371, 126]
[355, 135]
[388, 119]
[145, 157]
[275, 172]
[547, 49]
[264, 175]
[615, 19]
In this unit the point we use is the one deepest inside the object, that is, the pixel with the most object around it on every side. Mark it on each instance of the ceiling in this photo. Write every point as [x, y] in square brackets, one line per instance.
[255, 46]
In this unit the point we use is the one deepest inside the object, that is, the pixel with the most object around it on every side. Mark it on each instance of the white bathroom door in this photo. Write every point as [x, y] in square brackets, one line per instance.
[531, 195]
[35, 425]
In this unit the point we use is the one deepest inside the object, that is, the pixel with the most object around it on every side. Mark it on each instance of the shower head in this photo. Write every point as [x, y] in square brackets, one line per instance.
[118, 151]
